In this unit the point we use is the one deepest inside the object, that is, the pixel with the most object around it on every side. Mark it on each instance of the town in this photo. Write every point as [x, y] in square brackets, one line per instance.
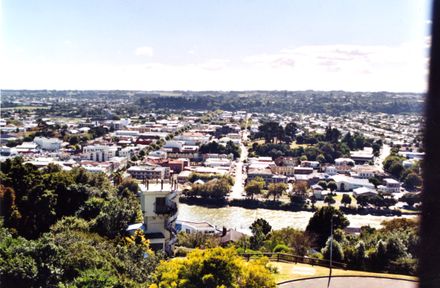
[365, 163]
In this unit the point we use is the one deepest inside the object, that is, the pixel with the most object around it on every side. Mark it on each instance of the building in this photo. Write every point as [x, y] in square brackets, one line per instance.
[99, 153]
[303, 170]
[149, 172]
[345, 183]
[49, 144]
[196, 227]
[391, 185]
[159, 209]
[365, 171]
[362, 156]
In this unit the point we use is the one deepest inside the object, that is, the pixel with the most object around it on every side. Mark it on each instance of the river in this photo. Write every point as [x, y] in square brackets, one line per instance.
[241, 218]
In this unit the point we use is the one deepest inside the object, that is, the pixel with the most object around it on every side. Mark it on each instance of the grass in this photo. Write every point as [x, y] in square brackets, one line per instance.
[294, 145]
[290, 271]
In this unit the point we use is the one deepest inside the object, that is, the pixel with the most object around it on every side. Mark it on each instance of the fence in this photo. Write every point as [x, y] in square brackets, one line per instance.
[290, 258]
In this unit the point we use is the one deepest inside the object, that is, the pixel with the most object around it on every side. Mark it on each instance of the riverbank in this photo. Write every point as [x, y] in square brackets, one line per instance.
[241, 218]
[283, 206]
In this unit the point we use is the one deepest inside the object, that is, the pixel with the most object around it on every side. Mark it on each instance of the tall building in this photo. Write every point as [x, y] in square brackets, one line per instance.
[99, 153]
[159, 208]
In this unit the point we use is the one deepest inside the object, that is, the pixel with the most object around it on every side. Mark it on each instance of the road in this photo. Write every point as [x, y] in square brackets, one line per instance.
[351, 282]
[238, 188]
[384, 152]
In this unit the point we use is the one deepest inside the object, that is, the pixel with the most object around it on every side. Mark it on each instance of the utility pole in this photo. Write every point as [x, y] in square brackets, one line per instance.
[331, 250]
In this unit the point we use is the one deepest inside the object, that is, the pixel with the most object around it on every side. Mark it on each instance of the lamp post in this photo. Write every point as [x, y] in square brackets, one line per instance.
[331, 249]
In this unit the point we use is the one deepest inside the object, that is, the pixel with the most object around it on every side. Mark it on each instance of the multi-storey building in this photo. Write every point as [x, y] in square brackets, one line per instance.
[99, 153]
[159, 209]
[149, 172]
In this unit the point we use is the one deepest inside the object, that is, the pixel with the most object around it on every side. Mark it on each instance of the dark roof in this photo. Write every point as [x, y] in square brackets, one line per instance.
[232, 236]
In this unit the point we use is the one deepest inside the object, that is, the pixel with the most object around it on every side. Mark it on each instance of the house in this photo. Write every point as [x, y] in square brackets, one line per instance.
[267, 176]
[362, 156]
[312, 164]
[159, 209]
[391, 185]
[196, 227]
[49, 144]
[317, 191]
[183, 176]
[365, 171]
[364, 191]
[231, 236]
[331, 170]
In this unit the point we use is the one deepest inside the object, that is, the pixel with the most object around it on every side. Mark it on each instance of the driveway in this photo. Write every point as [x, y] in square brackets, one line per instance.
[350, 282]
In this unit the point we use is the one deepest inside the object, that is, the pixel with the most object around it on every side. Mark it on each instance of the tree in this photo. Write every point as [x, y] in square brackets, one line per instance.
[260, 228]
[412, 181]
[332, 186]
[375, 181]
[411, 198]
[337, 252]
[323, 184]
[271, 130]
[115, 217]
[260, 222]
[277, 190]
[254, 187]
[346, 200]
[319, 224]
[290, 130]
[329, 200]
[212, 268]
[299, 241]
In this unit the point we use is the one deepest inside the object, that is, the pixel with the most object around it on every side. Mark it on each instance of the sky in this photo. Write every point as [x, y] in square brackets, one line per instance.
[352, 45]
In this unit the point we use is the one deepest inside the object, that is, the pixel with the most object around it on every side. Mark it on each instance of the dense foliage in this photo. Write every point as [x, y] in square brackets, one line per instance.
[213, 268]
[69, 227]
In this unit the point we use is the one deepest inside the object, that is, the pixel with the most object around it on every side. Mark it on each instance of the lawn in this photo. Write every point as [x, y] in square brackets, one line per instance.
[294, 145]
[290, 271]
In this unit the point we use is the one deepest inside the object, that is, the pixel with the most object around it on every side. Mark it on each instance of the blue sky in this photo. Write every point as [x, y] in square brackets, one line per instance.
[356, 45]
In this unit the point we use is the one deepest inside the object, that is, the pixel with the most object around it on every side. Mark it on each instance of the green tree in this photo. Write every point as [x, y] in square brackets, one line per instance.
[332, 186]
[329, 200]
[412, 181]
[319, 224]
[212, 268]
[277, 190]
[337, 253]
[254, 187]
[346, 200]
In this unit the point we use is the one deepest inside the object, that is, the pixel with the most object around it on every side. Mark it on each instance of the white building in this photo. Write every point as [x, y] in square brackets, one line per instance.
[159, 209]
[99, 153]
[196, 227]
[346, 183]
[50, 144]
[391, 185]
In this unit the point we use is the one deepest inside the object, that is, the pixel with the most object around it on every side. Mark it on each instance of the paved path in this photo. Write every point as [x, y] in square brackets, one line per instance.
[351, 282]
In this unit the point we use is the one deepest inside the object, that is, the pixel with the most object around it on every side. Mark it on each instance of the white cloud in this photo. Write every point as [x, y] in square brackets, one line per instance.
[144, 51]
[318, 67]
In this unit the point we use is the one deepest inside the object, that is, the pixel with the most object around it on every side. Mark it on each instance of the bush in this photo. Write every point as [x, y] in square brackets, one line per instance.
[281, 248]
